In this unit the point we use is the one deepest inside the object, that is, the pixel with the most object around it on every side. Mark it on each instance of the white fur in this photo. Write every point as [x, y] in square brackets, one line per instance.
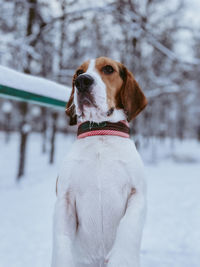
[99, 93]
[97, 218]
[96, 178]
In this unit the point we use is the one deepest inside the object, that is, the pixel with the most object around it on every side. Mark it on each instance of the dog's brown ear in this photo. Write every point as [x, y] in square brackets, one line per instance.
[131, 97]
[70, 107]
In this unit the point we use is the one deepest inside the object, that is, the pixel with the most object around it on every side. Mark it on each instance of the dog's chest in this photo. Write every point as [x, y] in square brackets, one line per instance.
[98, 176]
[100, 173]
[101, 189]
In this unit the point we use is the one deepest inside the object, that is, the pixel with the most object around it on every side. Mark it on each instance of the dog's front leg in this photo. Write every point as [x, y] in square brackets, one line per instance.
[64, 231]
[126, 248]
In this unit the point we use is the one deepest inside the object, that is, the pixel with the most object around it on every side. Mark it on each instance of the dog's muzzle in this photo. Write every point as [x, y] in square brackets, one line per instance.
[83, 83]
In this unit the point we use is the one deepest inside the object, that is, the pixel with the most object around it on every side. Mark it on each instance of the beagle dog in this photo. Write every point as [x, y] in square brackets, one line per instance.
[101, 203]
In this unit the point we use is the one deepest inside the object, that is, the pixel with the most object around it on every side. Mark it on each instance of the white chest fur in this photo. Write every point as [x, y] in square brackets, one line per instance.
[94, 186]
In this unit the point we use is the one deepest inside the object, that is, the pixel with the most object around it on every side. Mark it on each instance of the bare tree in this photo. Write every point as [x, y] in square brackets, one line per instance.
[24, 127]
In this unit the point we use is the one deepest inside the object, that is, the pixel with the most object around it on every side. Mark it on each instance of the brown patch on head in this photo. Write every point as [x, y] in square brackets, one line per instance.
[130, 97]
[113, 81]
[70, 108]
[123, 92]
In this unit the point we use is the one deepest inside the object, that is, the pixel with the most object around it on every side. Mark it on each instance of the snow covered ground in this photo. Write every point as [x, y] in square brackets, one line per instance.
[172, 231]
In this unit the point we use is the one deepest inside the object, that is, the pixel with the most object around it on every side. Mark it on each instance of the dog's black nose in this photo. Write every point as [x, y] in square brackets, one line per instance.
[83, 82]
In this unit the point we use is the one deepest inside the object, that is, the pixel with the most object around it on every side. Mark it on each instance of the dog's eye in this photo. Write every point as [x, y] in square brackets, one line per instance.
[108, 69]
[79, 72]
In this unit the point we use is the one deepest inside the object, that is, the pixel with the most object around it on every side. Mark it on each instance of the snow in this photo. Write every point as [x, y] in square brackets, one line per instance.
[6, 107]
[192, 15]
[32, 84]
[171, 235]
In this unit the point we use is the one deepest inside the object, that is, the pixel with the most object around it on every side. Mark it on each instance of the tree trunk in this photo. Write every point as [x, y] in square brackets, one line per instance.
[23, 140]
[23, 106]
[7, 127]
[52, 150]
[44, 130]
[24, 136]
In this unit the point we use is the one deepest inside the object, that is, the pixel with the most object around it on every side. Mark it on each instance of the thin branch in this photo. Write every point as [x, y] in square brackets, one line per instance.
[139, 19]
[166, 91]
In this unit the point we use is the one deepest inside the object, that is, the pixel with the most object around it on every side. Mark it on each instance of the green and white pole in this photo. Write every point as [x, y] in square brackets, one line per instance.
[21, 95]
[29, 88]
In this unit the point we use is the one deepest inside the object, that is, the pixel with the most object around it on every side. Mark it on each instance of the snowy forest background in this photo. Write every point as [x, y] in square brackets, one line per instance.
[159, 41]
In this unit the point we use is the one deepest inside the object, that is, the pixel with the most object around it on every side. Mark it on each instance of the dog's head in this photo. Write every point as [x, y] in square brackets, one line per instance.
[104, 90]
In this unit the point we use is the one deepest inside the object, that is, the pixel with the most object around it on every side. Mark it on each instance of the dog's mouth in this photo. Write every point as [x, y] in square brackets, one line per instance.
[86, 100]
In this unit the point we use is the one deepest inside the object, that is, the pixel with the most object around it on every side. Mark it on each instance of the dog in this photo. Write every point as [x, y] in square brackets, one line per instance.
[101, 199]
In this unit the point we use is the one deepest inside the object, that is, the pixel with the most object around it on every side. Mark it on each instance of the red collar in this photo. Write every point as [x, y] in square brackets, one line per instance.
[89, 128]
